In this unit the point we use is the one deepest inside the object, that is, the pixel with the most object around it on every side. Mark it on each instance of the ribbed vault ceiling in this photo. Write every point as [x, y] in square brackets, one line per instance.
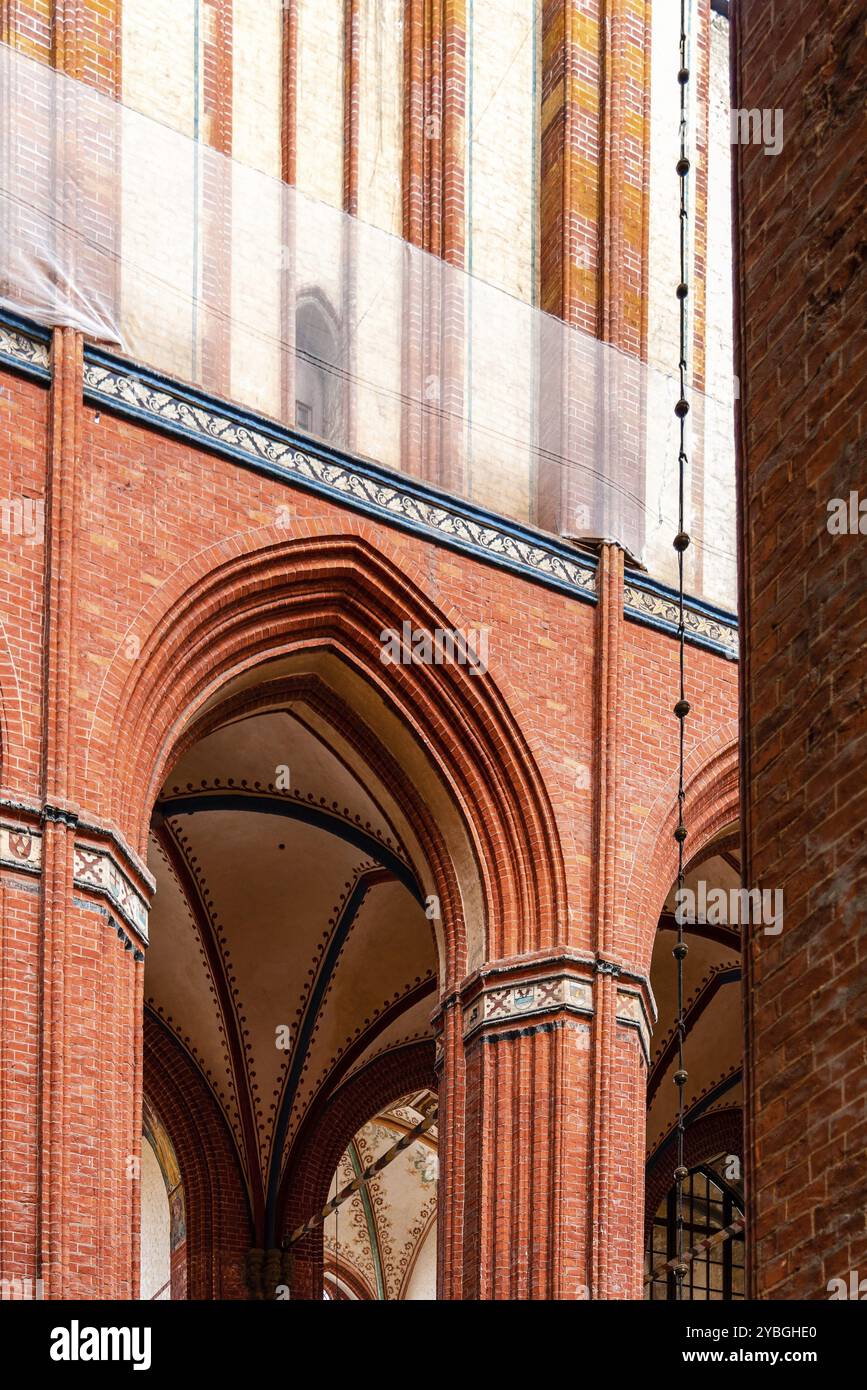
[289, 942]
[381, 1243]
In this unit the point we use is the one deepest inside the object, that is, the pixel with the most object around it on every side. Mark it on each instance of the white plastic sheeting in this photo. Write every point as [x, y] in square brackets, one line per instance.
[59, 147]
[216, 274]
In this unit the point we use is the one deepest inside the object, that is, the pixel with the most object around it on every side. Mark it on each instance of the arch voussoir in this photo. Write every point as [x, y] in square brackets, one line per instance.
[325, 1135]
[712, 803]
[339, 592]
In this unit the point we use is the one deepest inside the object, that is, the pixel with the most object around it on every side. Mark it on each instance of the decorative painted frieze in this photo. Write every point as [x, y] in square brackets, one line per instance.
[527, 999]
[403, 502]
[24, 350]
[364, 487]
[20, 847]
[512, 1001]
[632, 1011]
[94, 868]
[704, 626]
[97, 870]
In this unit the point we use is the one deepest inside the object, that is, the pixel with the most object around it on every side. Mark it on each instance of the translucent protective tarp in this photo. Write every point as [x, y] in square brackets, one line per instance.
[219, 275]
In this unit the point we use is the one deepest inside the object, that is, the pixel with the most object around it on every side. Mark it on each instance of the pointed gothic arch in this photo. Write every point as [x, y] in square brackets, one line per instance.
[232, 611]
[712, 802]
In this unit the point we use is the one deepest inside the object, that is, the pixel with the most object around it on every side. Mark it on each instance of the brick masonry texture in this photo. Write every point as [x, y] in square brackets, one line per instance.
[155, 521]
[803, 301]
[313, 1163]
[164, 567]
[218, 1220]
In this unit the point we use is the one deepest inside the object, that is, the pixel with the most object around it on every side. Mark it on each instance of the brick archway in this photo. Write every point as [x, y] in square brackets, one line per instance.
[720, 1132]
[712, 803]
[327, 1131]
[337, 593]
[219, 1228]
[318, 604]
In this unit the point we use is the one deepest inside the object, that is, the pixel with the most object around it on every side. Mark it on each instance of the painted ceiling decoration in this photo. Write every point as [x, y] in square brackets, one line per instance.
[290, 947]
[381, 1244]
[289, 941]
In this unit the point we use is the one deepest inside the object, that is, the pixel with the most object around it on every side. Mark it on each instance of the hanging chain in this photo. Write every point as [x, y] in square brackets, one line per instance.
[681, 709]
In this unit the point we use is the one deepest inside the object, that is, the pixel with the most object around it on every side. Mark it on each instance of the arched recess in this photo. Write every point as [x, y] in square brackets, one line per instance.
[319, 377]
[706, 996]
[163, 1246]
[721, 1132]
[326, 1133]
[259, 612]
[712, 802]
[218, 1226]
[233, 611]
[343, 1284]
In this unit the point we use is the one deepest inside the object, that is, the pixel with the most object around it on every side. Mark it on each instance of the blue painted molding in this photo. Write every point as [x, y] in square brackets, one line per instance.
[253, 442]
[647, 601]
[158, 402]
[309, 813]
[25, 347]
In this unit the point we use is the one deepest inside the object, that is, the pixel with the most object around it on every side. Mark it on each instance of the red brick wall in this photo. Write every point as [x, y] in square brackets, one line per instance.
[147, 505]
[23, 448]
[210, 1264]
[145, 522]
[19, 1056]
[527, 1164]
[803, 301]
[324, 1138]
[81, 37]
